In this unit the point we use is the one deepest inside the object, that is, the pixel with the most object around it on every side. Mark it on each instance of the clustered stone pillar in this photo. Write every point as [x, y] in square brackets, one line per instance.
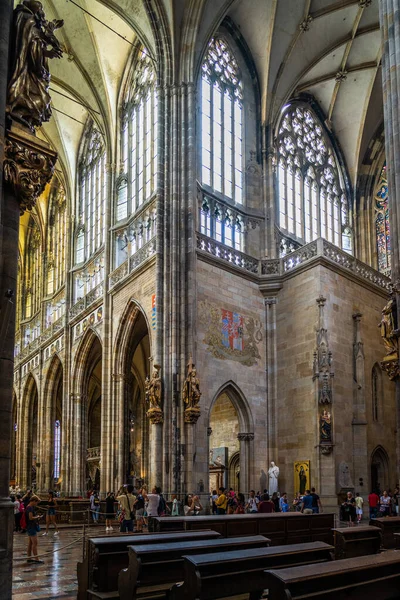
[9, 223]
[389, 14]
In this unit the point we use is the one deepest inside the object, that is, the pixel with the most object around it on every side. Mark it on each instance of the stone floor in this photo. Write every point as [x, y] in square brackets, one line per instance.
[56, 578]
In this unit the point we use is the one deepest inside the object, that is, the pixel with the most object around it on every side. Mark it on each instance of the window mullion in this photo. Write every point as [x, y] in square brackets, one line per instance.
[233, 131]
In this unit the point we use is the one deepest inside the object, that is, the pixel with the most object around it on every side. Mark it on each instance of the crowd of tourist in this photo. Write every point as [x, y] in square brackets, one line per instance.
[231, 502]
[136, 510]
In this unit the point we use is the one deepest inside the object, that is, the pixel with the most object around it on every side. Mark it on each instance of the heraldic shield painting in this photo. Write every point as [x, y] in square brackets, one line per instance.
[230, 335]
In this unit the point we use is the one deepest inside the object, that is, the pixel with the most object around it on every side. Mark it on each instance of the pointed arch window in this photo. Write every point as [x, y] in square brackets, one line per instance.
[382, 226]
[377, 392]
[56, 266]
[91, 196]
[222, 121]
[310, 189]
[32, 269]
[139, 139]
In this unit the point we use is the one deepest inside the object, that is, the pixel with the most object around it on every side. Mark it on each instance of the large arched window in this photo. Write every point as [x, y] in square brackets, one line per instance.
[382, 226]
[91, 195]
[222, 121]
[56, 241]
[139, 142]
[32, 269]
[310, 189]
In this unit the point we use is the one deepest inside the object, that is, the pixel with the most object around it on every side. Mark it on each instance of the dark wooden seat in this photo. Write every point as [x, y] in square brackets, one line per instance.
[232, 573]
[106, 556]
[363, 578]
[159, 565]
[388, 526]
[357, 541]
[397, 540]
[281, 528]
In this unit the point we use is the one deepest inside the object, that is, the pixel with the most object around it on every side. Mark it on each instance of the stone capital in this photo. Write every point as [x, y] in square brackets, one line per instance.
[28, 166]
[269, 301]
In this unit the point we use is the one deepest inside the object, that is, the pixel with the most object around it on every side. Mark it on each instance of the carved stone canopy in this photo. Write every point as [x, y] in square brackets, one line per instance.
[28, 166]
[245, 437]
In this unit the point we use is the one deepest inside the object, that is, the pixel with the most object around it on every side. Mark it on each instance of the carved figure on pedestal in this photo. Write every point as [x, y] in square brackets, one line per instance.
[153, 396]
[273, 474]
[325, 426]
[388, 326]
[191, 394]
[34, 43]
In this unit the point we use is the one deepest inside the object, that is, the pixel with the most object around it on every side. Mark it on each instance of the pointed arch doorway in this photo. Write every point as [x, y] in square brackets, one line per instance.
[230, 440]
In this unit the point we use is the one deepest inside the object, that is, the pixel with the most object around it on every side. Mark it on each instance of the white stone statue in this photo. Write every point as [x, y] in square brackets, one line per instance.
[273, 474]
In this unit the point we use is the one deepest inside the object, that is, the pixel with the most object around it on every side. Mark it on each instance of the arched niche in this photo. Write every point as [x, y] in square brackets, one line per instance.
[132, 366]
[380, 470]
[230, 437]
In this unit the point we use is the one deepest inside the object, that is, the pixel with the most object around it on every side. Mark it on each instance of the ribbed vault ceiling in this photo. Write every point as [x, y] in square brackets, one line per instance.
[327, 48]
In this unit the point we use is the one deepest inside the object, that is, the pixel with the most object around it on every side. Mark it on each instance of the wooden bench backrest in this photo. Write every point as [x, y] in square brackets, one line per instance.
[232, 573]
[106, 556]
[365, 577]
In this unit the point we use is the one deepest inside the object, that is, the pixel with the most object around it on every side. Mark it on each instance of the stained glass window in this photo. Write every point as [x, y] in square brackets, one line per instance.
[139, 139]
[312, 202]
[57, 449]
[382, 226]
[222, 121]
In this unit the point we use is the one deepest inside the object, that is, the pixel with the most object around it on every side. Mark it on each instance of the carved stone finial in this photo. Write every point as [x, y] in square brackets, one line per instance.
[191, 394]
[153, 390]
[28, 98]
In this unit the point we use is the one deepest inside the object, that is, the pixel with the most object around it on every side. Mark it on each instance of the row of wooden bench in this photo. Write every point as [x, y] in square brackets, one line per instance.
[211, 566]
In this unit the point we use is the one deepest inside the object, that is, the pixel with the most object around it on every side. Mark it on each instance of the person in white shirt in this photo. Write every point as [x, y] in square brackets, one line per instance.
[252, 503]
[152, 507]
[359, 507]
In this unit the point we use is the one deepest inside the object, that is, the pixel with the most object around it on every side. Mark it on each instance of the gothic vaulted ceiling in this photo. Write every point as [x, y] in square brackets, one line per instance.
[327, 48]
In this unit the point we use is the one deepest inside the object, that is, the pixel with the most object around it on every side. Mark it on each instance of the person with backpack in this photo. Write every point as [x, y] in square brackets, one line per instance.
[127, 501]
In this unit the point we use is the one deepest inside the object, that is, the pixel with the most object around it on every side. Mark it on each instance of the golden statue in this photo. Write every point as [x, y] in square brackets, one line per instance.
[28, 98]
[153, 392]
[387, 325]
[191, 394]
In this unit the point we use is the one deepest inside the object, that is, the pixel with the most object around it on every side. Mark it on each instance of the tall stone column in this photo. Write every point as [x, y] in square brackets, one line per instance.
[389, 14]
[9, 222]
[245, 440]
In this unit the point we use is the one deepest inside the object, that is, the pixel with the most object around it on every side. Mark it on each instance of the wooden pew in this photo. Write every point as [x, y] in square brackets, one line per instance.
[207, 577]
[388, 526]
[397, 540]
[356, 541]
[281, 528]
[157, 566]
[106, 556]
[363, 578]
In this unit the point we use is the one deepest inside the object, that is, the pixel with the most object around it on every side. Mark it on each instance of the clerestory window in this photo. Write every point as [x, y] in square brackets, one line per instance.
[91, 196]
[139, 139]
[33, 255]
[56, 243]
[222, 121]
[311, 198]
[382, 225]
